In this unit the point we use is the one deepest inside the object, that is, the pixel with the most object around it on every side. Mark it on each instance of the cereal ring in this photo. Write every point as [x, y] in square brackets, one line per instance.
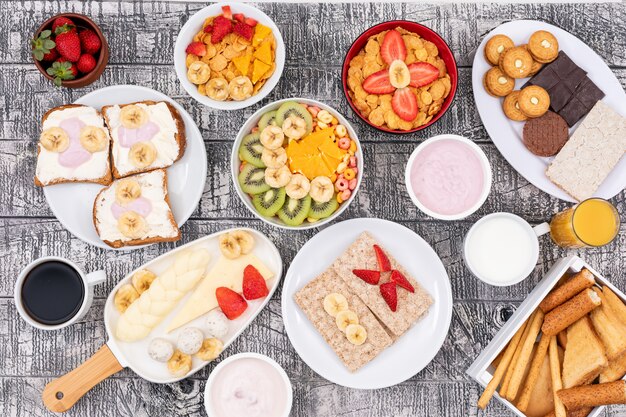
[516, 62]
[533, 101]
[511, 109]
[543, 46]
[498, 84]
[495, 46]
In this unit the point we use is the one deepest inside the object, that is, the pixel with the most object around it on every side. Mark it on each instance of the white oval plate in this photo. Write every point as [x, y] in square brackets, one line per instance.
[413, 350]
[72, 203]
[507, 134]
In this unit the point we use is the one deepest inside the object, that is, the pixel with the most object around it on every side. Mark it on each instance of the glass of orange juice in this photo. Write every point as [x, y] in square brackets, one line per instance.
[591, 223]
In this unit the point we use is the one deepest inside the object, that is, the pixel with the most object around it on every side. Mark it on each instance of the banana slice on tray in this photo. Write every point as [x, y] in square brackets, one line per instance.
[399, 74]
[240, 88]
[54, 139]
[131, 224]
[211, 349]
[322, 189]
[199, 72]
[277, 178]
[217, 89]
[124, 297]
[142, 280]
[244, 240]
[346, 318]
[179, 364]
[274, 158]
[272, 137]
[335, 303]
[93, 139]
[142, 154]
[356, 334]
[294, 127]
[127, 191]
[229, 246]
[298, 186]
[132, 116]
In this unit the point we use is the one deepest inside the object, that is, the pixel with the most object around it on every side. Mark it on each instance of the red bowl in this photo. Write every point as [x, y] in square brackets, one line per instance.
[426, 33]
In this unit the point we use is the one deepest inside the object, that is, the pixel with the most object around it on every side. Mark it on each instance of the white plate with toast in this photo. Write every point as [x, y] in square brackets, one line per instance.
[72, 203]
[507, 134]
[409, 353]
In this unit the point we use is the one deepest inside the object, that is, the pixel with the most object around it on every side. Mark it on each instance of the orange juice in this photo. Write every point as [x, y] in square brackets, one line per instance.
[594, 222]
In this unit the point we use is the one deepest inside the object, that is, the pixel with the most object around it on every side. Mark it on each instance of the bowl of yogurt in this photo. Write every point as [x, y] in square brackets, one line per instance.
[448, 177]
[248, 385]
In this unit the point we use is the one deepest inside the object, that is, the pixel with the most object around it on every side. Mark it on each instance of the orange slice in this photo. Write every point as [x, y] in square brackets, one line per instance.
[316, 154]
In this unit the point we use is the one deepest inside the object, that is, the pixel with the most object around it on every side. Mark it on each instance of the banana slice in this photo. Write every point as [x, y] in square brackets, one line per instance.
[334, 303]
[199, 72]
[298, 186]
[142, 280]
[217, 89]
[54, 139]
[240, 88]
[93, 139]
[294, 127]
[322, 189]
[346, 318]
[127, 191]
[244, 240]
[356, 334]
[142, 154]
[133, 116]
[124, 297]
[131, 224]
[229, 246]
[179, 364]
[277, 177]
[211, 349]
[274, 158]
[272, 137]
[399, 74]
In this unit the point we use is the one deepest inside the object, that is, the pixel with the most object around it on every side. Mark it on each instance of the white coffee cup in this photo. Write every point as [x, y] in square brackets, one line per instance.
[89, 281]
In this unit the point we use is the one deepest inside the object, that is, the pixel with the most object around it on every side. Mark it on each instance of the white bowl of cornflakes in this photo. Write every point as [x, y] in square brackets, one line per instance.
[229, 56]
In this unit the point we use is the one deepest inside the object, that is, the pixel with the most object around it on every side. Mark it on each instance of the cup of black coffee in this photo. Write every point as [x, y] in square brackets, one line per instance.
[52, 292]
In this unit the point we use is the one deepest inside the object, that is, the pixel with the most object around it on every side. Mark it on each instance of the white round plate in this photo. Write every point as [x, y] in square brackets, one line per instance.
[507, 134]
[72, 203]
[414, 349]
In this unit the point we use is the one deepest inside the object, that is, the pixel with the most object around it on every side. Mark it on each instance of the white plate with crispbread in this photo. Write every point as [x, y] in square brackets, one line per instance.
[399, 344]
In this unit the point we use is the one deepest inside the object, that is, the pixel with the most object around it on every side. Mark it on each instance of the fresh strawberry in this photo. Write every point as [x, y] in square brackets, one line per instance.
[383, 261]
[253, 285]
[68, 44]
[244, 30]
[250, 22]
[89, 42]
[240, 17]
[422, 73]
[378, 83]
[232, 304]
[63, 21]
[51, 56]
[43, 47]
[227, 13]
[369, 276]
[62, 70]
[86, 63]
[393, 47]
[400, 280]
[221, 28]
[196, 48]
[404, 104]
[208, 29]
[390, 295]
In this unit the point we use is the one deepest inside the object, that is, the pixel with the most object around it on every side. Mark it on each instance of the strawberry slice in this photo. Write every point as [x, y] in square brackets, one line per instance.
[232, 304]
[253, 285]
[401, 281]
[208, 29]
[196, 48]
[250, 22]
[378, 83]
[227, 13]
[388, 291]
[369, 276]
[404, 104]
[239, 17]
[383, 261]
[393, 47]
[422, 73]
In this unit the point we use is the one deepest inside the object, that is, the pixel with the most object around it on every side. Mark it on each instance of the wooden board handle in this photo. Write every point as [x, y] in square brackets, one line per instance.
[62, 393]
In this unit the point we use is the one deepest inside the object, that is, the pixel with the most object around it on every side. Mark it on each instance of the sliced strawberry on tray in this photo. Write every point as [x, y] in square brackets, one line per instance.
[383, 261]
[369, 276]
[244, 30]
[422, 73]
[401, 281]
[239, 17]
[221, 28]
[253, 285]
[404, 104]
[390, 295]
[196, 48]
[393, 47]
[250, 22]
[227, 13]
[378, 83]
[232, 304]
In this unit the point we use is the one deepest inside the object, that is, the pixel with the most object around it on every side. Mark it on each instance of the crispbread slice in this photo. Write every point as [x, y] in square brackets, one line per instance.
[411, 306]
[310, 299]
[584, 355]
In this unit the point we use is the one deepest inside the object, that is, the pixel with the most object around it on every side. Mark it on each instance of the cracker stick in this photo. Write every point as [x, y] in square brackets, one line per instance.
[573, 286]
[509, 372]
[524, 357]
[613, 336]
[616, 369]
[555, 373]
[569, 312]
[533, 373]
[501, 368]
[594, 395]
[617, 305]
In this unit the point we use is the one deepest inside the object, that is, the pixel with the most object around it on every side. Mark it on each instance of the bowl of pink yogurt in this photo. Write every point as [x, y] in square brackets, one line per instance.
[248, 385]
[448, 177]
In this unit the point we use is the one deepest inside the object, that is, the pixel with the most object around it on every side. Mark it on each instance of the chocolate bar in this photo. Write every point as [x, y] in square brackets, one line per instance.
[586, 95]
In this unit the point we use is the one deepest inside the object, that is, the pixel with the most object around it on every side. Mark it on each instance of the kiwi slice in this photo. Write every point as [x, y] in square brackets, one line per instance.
[269, 202]
[251, 149]
[291, 108]
[252, 180]
[267, 119]
[294, 211]
[323, 210]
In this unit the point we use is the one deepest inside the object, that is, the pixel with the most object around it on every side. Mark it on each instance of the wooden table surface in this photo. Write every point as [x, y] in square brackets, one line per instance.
[141, 36]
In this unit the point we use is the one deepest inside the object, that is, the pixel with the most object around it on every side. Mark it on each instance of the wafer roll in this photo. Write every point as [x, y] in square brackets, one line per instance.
[569, 312]
[533, 373]
[525, 354]
[616, 304]
[593, 395]
[555, 374]
[573, 286]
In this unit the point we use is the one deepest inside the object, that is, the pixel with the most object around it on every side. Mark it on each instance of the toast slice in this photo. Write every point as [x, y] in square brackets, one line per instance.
[135, 211]
[584, 355]
[160, 128]
[74, 163]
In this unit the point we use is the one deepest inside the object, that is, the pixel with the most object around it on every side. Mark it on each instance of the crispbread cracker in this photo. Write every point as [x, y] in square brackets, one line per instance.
[411, 306]
[310, 299]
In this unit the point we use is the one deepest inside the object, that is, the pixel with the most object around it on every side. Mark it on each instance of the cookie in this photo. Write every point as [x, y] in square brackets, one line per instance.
[511, 107]
[498, 84]
[533, 101]
[495, 46]
[545, 135]
[516, 62]
[536, 67]
[543, 46]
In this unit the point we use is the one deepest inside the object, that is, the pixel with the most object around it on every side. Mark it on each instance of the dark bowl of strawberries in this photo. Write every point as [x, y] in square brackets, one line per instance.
[70, 50]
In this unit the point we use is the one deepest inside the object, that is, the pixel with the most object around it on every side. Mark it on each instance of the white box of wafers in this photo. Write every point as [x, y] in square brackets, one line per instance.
[515, 330]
